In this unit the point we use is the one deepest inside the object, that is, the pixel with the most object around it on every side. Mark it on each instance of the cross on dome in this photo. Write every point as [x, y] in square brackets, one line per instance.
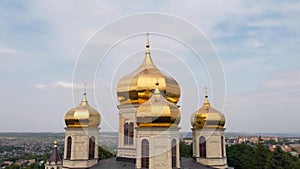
[84, 88]
[147, 42]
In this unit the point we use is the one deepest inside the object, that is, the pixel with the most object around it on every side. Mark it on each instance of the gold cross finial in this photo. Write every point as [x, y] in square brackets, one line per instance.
[147, 43]
[206, 91]
[84, 88]
[206, 102]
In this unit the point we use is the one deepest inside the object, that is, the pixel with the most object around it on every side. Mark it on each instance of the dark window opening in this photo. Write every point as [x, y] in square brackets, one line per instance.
[202, 147]
[69, 147]
[174, 153]
[92, 148]
[145, 154]
[128, 133]
[222, 146]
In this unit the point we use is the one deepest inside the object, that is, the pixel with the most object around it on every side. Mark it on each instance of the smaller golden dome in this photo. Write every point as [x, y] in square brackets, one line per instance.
[207, 117]
[157, 112]
[83, 116]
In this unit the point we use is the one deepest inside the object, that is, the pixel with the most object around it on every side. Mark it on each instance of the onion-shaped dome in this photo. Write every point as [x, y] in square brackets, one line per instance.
[157, 112]
[83, 116]
[207, 117]
[137, 87]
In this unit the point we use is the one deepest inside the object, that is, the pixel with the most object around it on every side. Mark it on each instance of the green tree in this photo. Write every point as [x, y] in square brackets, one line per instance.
[282, 160]
[185, 149]
[104, 154]
[34, 166]
[13, 166]
[262, 156]
[241, 156]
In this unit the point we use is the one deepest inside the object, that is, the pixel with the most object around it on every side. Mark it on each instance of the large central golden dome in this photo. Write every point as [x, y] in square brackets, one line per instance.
[83, 116]
[157, 112]
[137, 87]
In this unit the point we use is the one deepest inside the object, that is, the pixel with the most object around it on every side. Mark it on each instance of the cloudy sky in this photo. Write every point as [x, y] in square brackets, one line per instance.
[257, 43]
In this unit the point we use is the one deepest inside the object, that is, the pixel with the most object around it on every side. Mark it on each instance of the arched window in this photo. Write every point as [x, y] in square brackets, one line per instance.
[222, 146]
[126, 133]
[131, 133]
[69, 147]
[173, 153]
[92, 148]
[145, 153]
[202, 147]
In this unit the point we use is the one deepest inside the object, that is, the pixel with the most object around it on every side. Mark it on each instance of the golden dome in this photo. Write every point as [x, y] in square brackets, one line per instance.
[207, 117]
[83, 116]
[157, 112]
[137, 87]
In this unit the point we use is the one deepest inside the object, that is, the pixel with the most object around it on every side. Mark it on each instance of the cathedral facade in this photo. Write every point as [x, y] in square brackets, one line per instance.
[148, 127]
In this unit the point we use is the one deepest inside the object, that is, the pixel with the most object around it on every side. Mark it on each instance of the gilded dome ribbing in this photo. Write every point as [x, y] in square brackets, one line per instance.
[157, 112]
[83, 116]
[137, 87]
[207, 117]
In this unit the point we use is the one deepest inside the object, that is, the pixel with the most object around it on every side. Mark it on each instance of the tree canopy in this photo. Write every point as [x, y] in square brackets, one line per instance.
[243, 156]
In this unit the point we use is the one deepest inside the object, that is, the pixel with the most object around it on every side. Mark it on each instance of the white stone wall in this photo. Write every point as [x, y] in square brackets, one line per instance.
[214, 156]
[160, 144]
[80, 147]
[127, 113]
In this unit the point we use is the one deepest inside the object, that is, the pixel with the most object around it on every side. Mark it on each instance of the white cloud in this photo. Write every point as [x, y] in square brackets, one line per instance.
[42, 86]
[9, 51]
[289, 80]
[246, 63]
[60, 84]
[273, 111]
[64, 36]
[252, 43]
[265, 23]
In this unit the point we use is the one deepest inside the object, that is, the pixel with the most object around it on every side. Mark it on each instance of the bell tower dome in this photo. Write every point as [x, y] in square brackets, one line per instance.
[208, 136]
[82, 136]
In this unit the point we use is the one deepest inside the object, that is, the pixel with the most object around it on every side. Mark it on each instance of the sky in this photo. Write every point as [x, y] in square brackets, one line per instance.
[44, 46]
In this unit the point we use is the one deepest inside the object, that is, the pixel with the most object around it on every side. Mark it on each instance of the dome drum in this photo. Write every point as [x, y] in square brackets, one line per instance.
[76, 123]
[208, 124]
[156, 121]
